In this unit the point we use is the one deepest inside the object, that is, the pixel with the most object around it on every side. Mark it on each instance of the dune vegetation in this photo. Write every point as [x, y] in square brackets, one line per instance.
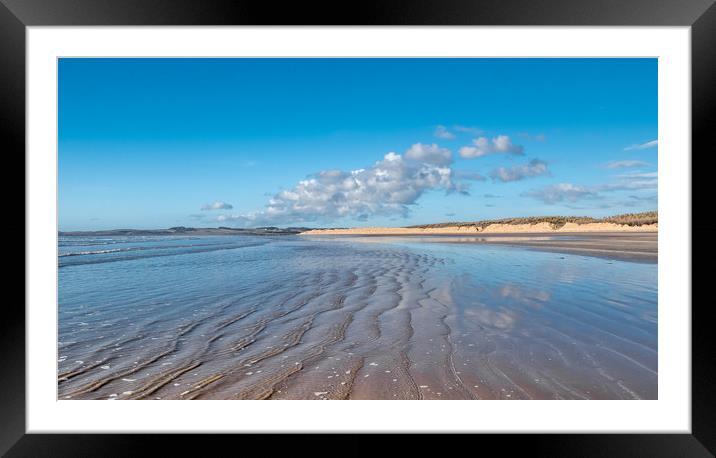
[556, 222]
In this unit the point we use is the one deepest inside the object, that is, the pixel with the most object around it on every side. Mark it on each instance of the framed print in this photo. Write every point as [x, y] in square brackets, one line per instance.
[472, 218]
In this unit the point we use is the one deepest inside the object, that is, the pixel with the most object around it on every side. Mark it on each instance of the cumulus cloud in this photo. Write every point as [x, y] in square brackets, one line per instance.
[533, 168]
[626, 164]
[444, 133]
[646, 145]
[482, 146]
[430, 154]
[389, 187]
[560, 192]
[218, 205]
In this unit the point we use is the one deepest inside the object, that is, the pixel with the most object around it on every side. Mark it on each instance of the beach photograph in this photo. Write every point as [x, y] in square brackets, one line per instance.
[357, 229]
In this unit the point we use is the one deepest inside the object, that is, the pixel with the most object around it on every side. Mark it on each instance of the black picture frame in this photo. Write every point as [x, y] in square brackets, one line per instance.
[700, 15]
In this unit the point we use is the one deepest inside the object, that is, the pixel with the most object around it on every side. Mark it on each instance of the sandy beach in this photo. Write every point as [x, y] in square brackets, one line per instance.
[630, 246]
[359, 317]
[602, 239]
[210, 240]
[537, 228]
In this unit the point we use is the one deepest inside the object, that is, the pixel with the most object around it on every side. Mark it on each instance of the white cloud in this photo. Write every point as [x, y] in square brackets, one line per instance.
[537, 138]
[572, 193]
[482, 146]
[430, 154]
[218, 205]
[444, 133]
[388, 187]
[632, 181]
[468, 175]
[468, 130]
[625, 164]
[533, 168]
[646, 145]
[561, 192]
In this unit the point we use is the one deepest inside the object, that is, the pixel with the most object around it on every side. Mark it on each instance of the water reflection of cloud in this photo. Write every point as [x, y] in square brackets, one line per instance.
[567, 273]
[498, 319]
[500, 307]
[531, 297]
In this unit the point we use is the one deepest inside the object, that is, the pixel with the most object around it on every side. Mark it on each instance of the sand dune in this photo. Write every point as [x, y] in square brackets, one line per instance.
[489, 229]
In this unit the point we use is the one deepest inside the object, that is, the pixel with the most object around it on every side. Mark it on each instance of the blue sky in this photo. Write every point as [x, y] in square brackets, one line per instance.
[151, 143]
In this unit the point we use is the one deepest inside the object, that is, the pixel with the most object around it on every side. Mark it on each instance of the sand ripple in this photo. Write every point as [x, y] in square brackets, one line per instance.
[378, 322]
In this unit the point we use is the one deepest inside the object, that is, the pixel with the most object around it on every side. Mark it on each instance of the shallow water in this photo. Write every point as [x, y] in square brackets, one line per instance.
[293, 318]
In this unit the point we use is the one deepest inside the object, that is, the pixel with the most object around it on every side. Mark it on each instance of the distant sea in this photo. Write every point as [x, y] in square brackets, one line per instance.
[291, 317]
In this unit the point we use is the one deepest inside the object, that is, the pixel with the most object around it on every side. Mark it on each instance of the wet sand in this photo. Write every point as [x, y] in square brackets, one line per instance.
[639, 246]
[631, 246]
[365, 318]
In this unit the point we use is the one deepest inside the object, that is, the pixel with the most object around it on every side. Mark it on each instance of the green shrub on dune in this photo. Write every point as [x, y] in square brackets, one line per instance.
[629, 219]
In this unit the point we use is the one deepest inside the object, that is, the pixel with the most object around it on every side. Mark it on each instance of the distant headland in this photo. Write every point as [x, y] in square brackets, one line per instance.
[182, 230]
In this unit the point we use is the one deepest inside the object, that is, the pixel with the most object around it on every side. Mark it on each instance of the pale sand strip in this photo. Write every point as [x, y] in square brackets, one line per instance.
[632, 246]
[625, 245]
[490, 229]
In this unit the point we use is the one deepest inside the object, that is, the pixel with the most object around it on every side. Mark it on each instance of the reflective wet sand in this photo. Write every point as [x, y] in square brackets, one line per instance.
[290, 318]
[635, 246]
